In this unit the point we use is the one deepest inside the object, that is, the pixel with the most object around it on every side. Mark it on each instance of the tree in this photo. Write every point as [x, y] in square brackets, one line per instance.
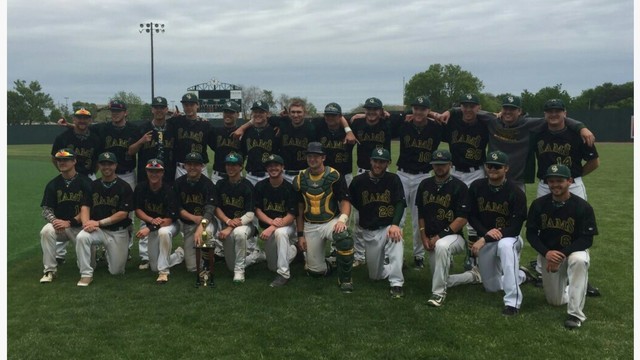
[137, 110]
[534, 103]
[604, 96]
[27, 102]
[250, 94]
[443, 85]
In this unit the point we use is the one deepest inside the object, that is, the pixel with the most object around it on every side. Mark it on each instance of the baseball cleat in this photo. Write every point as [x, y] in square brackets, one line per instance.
[48, 277]
[530, 276]
[60, 261]
[85, 281]
[572, 322]
[592, 291]
[279, 281]
[180, 252]
[510, 311]
[238, 277]
[477, 279]
[144, 265]
[436, 300]
[346, 287]
[358, 262]
[162, 278]
[418, 263]
[396, 292]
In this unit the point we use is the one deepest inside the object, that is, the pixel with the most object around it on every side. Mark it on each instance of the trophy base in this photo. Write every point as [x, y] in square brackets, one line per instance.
[204, 277]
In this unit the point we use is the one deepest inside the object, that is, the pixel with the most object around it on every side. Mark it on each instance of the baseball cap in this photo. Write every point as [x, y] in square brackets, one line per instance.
[193, 157]
[159, 101]
[65, 154]
[315, 147]
[231, 106]
[554, 104]
[332, 109]
[260, 105]
[558, 170]
[82, 112]
[233, 158]
[107, 157]
[189, 98]
[421, 101]
[497, 157]
[154, 164]
[117, 105]
[274, 158]
[372, 103]
[440, 157]
[381, 154]
[469, 99]
[512, 101]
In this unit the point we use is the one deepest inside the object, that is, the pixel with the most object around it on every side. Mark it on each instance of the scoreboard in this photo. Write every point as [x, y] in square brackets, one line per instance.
[212, 101]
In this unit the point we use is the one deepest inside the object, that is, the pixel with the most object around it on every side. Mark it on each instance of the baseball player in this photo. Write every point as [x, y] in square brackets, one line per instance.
[189, 133]
[324, 207]
[107, 223]
[157, 209]
[277, 209]
[442, 213]
[154, 142]
[222, 141]
[259, 142]
[379, 197]
[561, 226]
[86, 145]
[196, 195]
[497, 209]
[334, 139]
[62, 203]
[236, 211]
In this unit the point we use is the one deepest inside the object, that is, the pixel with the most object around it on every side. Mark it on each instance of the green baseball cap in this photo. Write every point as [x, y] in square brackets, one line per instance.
[274, 158]
[440, 157]
[421, 101]
[558, 170]
[381, 154]
[372, 103]
[554, 104]
[260, 105]
[159, 101]
[332, 109]
[154, 165]
[117, 105]
[65, 153]
[233, 158]
[469, 99]
[497, 157]
[231, 106]
[189, 98]
[512, 101]
[193, 157]
[107, 157]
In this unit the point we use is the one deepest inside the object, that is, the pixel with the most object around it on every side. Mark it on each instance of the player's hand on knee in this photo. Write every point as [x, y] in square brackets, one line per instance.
[475, 249]
[143, 232]
[302, 243]
[339, 227]
[395, 233]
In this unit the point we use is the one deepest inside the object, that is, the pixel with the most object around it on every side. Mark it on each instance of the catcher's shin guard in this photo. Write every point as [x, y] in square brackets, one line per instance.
[344, 257]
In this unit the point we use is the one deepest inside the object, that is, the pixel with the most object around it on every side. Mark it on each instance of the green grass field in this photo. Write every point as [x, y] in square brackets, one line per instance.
[130, 317]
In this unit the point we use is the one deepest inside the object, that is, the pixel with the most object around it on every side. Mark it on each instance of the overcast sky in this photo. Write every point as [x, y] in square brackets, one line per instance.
[343, 51]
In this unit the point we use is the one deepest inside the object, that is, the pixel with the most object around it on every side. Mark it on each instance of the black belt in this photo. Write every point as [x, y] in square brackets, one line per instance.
[412, 172]
[292, 172]
[467, 168]
[257, 173]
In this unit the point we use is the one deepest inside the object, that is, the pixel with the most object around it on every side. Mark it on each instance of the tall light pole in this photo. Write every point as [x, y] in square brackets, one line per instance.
[150, 28]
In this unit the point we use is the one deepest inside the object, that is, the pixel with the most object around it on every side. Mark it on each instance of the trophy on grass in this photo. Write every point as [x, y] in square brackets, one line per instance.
[204, 276]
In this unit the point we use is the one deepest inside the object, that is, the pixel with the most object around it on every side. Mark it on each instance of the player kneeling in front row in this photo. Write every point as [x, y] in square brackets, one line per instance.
[156, 207]
[324, 206]
[379, 197]
[236, 211]
[497, 209]
[561, 226]
[107, 222]
[277, 209]
[62, 203]
[442, 213]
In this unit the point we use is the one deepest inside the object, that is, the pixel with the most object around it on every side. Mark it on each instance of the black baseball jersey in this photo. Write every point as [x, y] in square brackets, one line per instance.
[258, 144]
[377, 199]
[440, 204]
[222, 143]
[194, 196]
[416, 144]
[562, 147]
[566, 227]
[234, 199]
[501, 207]
[294, 141]
[188, 136]
[87, 147]
[161, 203]
[66, 197]
[467, 142]
[275, 202]
[160, 147]
[117, 140]
[107, 199]
[370, 137]
[338, 154]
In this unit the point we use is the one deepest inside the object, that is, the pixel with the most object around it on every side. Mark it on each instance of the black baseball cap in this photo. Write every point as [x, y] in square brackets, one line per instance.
[421, 101]
[117, 105]
[154, 164]
[260, 105]
[274, 158]
[332, 109]
[469, 99]
[512, 101]
[372, 103]
[159, 101]
[193, 157]
[231, 106]
[315, 147]
[189, 98]
[554, 104]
